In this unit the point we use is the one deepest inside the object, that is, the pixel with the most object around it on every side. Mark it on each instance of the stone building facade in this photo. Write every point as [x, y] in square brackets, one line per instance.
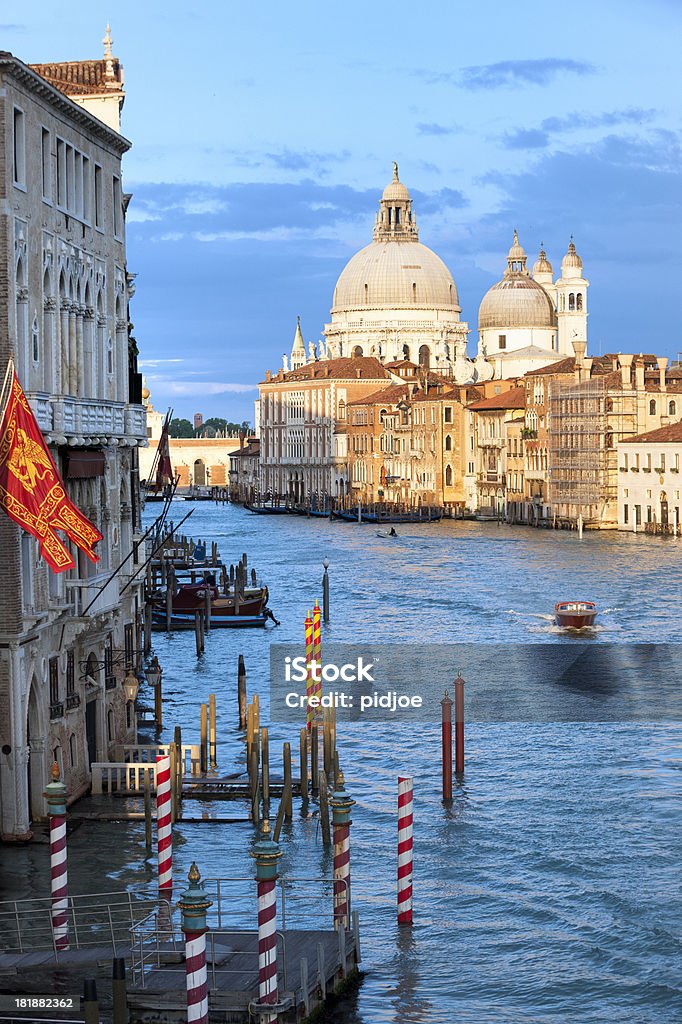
[649, 487]
[65, 640]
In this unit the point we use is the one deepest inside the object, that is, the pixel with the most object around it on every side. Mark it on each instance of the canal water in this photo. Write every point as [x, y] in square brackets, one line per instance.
[549, 891]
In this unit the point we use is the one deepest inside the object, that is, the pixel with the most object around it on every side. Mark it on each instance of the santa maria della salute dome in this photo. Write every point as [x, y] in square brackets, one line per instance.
[395, 299]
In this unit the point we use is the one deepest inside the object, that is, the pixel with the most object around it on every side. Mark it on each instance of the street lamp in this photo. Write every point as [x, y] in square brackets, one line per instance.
[153, 672]
[131, 685]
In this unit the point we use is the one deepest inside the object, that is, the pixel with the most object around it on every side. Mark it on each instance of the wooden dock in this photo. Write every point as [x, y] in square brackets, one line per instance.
[312, 964]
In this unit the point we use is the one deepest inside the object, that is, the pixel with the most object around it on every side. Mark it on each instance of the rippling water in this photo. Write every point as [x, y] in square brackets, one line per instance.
[549, 891]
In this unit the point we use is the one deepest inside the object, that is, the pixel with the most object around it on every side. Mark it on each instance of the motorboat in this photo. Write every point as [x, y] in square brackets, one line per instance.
[575, 614]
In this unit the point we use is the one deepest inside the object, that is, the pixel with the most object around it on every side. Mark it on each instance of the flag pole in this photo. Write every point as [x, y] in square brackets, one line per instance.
[6, 386]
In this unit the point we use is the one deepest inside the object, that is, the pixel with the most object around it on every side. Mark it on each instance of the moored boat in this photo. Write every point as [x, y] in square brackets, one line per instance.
[226, 609]
[575, 614]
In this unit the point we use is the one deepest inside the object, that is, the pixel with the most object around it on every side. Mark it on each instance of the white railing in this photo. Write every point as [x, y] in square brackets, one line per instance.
[121, 776]
[147, 753]
[87, 416]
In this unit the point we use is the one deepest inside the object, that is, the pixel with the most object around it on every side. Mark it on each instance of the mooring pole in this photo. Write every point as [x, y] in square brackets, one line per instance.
[203, 739]
[194, 904]
[55, 793]
[303, 760]
[90, 1002]
[147, 810]
[459, 725]
[446, 736]
[310, 680]
[118, 991]
[212, 730]
[266, 853]
[325, 592]
[317, 655]
[241, 691]
[341, 806]
[405, 819]
[164, 838]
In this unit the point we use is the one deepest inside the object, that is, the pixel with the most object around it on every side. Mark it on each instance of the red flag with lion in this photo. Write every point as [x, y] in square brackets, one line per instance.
[31, 489]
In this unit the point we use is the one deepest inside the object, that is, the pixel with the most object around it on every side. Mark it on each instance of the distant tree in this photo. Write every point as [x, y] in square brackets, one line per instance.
[217, 425]
[180, 428]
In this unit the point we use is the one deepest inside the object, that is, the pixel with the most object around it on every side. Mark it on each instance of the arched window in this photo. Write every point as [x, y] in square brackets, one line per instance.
[609, 405]
[672, 409]
[342, 409]
[73, 750]
[406, 352]
[448, 444]
[448, 476]
[608, 439]
[366, 293]
[110, 356]
[110, 726]
[35, 341]
[571, 301]
[357, 352]
[579, 301]
[424, 356]
[652, 407]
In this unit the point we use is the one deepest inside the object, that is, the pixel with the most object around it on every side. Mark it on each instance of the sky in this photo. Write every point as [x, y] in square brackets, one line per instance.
[264, 135]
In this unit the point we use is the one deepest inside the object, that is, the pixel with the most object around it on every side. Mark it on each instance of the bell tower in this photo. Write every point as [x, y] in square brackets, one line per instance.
[571, 300]
[395, 221]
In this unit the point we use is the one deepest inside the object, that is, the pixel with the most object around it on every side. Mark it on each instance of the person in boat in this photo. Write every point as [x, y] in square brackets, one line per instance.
[210, 578]
[392, 532]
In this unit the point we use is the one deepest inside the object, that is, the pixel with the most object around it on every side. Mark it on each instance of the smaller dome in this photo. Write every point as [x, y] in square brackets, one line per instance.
[145, 393]
[542, 264]
[517, 252]
[571, 259]
[516, 301]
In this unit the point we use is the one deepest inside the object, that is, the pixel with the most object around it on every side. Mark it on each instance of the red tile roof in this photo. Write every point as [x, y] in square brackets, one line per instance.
[360, 368]
[672, 433]
[80, 77]
[515, 398]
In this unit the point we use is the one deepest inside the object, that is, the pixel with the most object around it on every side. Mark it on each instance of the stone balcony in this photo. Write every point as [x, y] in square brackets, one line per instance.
[85, 594]
[88, 421]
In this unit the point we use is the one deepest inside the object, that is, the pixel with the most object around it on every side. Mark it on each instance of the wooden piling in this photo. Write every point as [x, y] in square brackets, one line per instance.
[303, 760]
[265, 770]
[459, 725]
[208, 600]
[324, 809]
[169, 602]
[197, 633]
[279, 820]
[212, 730]
[446, 742]
[255, 796]
[173, 781]
[119, 991]
[203, 740]
[326, 743]
[177, 778]
[288, 787]
[241, 691]
[314, 756]
[158, 704]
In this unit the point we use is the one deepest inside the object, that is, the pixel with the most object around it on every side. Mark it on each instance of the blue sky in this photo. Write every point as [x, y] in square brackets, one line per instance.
[263, 136]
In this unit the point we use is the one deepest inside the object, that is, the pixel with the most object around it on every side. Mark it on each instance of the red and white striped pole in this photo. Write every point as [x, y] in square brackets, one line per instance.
[164, 833]
[194, 905]
[267, 853]
[310, 682]
[55, 792]
[317, 649]
[405, 804]
[341, 820]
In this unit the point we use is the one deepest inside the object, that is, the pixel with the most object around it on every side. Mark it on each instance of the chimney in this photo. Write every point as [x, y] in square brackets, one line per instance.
[579, 347]
[267, 375]
[312, 371]
[587, 367]
[326, 371]
[626, 370]
[358, 374]
[241, 439]
[639, 374]
[614, 362]
[662, 363]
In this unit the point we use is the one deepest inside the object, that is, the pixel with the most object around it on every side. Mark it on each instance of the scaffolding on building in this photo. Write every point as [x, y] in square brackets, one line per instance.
[586, 419]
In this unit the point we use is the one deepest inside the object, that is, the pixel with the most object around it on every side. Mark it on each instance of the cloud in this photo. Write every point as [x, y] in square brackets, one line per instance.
[522, 72]
[526, 138]
[189, 388]
[540, 138]
[153, 363]
[437, 129]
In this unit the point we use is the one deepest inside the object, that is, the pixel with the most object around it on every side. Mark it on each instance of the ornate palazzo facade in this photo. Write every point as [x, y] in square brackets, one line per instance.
[65, 639]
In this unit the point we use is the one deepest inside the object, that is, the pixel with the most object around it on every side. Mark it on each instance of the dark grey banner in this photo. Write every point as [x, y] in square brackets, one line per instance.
[576, 682]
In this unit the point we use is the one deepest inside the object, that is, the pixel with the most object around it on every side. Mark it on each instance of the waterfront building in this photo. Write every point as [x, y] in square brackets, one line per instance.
[649, 480]
[408, 442]
[607, 401]
[526, 321]
[66, 639]
[245, 470]
[303, 421]
[197, 461]
[492, 418]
